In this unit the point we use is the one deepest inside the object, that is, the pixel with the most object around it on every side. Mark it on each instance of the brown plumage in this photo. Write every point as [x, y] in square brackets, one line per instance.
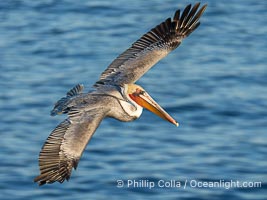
[115, 96]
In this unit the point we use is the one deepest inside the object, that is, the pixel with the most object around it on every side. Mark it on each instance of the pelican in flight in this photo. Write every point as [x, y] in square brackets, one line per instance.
[115, 95]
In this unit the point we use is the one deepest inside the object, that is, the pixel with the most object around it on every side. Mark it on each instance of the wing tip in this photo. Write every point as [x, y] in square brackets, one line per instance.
[182, 25]
[54, 164]
[188, 20]
[57, 174]
[51, 177]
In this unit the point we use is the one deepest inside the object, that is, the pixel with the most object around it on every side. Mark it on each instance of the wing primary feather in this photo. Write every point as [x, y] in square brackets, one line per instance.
[176, 16]
[197, 17]
[191, 14]
[184, 15]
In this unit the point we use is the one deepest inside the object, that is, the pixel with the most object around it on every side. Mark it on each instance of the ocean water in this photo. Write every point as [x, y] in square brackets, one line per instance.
[214, 84]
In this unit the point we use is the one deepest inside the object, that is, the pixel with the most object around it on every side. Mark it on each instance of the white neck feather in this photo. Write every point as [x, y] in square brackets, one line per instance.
[130, 106]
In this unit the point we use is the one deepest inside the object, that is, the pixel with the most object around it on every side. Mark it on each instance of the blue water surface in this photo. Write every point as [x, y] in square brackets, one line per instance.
[214, 84]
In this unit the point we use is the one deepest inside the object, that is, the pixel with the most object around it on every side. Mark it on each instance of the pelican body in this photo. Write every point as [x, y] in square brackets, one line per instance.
[114, 95]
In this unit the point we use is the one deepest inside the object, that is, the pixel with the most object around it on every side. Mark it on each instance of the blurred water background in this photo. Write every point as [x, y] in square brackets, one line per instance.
[214, 84]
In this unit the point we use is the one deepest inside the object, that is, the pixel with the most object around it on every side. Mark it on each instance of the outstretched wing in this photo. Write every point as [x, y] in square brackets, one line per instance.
[152, 47]
[65, 145]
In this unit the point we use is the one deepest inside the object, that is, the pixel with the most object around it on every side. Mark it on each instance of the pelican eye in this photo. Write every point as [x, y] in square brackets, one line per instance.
[139, 92]
[142, 92]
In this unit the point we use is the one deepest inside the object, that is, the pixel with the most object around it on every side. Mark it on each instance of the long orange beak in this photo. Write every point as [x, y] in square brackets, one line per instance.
[146, 101]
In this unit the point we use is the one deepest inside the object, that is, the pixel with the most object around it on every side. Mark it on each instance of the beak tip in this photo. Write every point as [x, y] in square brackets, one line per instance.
[176, 124]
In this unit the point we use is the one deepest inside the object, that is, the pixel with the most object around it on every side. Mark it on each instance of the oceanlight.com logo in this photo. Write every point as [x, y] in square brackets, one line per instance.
[193, 183]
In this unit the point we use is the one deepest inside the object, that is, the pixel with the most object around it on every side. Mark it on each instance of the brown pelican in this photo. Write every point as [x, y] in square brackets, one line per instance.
[114, 95]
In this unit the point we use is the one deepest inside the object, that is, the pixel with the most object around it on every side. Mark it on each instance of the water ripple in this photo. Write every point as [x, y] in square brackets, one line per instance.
[214, 84]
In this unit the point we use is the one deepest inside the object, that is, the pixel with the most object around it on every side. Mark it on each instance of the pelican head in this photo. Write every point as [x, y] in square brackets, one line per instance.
[141, 99]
